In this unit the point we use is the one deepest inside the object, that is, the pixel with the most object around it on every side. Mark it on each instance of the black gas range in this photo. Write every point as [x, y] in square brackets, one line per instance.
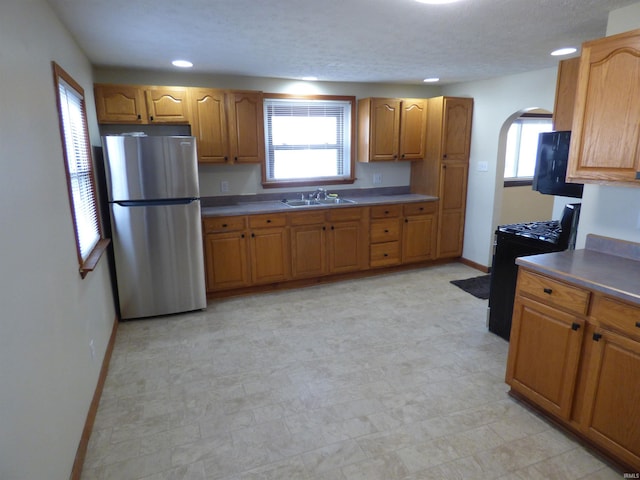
[519, 240]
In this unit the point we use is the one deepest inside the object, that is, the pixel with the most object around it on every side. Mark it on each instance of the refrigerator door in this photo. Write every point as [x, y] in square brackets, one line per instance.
[148, 168]
[159, 258]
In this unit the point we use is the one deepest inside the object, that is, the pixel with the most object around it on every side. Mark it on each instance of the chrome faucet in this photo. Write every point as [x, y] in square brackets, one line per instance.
[319, 194]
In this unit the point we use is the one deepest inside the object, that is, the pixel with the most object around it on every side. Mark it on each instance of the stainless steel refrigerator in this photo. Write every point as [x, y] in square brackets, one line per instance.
[153, 194]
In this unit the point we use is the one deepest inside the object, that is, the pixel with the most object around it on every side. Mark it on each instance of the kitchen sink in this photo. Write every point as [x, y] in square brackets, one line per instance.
[317, 202]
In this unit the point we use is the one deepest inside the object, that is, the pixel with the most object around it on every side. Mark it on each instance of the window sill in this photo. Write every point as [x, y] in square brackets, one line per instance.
[518, 182]
[92, 260]
[312, 182]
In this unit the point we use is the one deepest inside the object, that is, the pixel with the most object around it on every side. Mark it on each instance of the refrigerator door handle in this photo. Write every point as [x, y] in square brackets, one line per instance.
[152, 203]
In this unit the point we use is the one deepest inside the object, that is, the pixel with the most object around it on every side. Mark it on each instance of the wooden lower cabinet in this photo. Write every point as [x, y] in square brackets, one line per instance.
[544, 354]
[453, 188]
[419, 232]
[575, 354]
[612, 407]
[227, 263]
[347, 246]
[269, 255]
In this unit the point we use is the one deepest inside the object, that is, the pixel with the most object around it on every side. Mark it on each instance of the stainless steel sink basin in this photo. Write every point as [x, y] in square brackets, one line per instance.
[314, 202]
[335, 201]
[301, 203]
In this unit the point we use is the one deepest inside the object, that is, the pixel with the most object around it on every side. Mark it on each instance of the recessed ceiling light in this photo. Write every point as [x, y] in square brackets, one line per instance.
[431, 80]
[182, 63]
[310, 79]
[437, 2]
[564, 51]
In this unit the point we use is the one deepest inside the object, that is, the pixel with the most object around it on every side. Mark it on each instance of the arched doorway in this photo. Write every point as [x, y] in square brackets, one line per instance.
[515, 201]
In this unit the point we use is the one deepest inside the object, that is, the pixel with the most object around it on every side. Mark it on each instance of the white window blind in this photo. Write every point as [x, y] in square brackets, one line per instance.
[79, 169]
[307, 139]
[522, 145]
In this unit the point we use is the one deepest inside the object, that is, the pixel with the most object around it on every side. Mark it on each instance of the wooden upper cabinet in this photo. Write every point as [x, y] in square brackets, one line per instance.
[167, 104]
[137, 104]
[456, 133]
[391, 129]
[605, 139]
[245, 113]
[120, 104]
[413, 129]
[566, 84]
[210, 125]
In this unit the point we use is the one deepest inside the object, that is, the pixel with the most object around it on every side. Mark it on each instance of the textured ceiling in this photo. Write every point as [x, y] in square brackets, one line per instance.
[381, 41]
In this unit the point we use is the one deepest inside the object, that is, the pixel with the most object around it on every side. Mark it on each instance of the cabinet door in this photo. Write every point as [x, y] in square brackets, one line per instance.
[453, 200]
[245, 112]
[605, 136]
[565, 94]
[210, 125]
[612, 408]
[269, 255]
[167, 105]
[456, 132]
[544, 353]
[120, 104]
[226, 258]
[308, 251]
[413, 129]
[418, 238]
[385, 129]
[347, 249]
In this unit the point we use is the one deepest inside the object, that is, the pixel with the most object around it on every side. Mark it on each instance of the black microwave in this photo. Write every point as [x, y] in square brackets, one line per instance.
[551, 166]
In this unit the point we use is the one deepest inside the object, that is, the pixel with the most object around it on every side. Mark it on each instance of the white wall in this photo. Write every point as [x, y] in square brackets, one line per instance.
[49, 315]
[246, 179]
[613, 211]
[495, 102]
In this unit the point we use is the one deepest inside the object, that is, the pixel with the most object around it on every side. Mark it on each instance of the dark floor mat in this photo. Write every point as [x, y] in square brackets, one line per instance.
[476, 286]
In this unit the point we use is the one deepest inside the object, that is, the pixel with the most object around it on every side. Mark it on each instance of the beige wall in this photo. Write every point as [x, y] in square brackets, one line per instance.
[49, 314]
[522, 204]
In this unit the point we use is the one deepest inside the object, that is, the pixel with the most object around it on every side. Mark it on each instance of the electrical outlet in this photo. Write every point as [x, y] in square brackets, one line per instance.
[224, 186]
[483, 166]
[377, 178]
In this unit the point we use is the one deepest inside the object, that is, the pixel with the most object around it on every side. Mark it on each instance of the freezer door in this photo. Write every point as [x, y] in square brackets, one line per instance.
[159, 259]
[149, 168]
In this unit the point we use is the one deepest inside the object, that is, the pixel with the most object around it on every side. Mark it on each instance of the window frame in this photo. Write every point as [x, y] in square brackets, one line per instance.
[523, 181]
[270, 183]
[90, 260]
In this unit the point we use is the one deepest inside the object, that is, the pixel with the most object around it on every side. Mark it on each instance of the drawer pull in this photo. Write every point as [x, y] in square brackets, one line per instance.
[597, 337]
[224, 225]
[548, 291]
[386, 254]
[575, 326]
[638, 324]
[386, 231]
[268, 221]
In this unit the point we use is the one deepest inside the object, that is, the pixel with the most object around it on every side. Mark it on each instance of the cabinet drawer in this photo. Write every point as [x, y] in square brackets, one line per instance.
[386, 211]
[306, 218]
[553, 292]
[224, 224]
[420, 208]
[267, 220]
[340, 214]
[385, 254]
[617, 315]
[386, 230]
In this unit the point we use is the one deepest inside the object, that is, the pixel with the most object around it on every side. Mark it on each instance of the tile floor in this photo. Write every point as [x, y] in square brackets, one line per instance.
[390, 377]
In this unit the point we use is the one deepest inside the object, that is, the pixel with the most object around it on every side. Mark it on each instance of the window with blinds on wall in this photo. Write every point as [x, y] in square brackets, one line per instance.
[307, 139]
[77, 156]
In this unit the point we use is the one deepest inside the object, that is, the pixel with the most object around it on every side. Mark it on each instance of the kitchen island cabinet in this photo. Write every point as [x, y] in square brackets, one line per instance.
[575, 343]
[605, 134]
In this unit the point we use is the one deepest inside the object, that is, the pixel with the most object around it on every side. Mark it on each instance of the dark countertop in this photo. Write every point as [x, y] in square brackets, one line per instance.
[273, 206]
[605, 265]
